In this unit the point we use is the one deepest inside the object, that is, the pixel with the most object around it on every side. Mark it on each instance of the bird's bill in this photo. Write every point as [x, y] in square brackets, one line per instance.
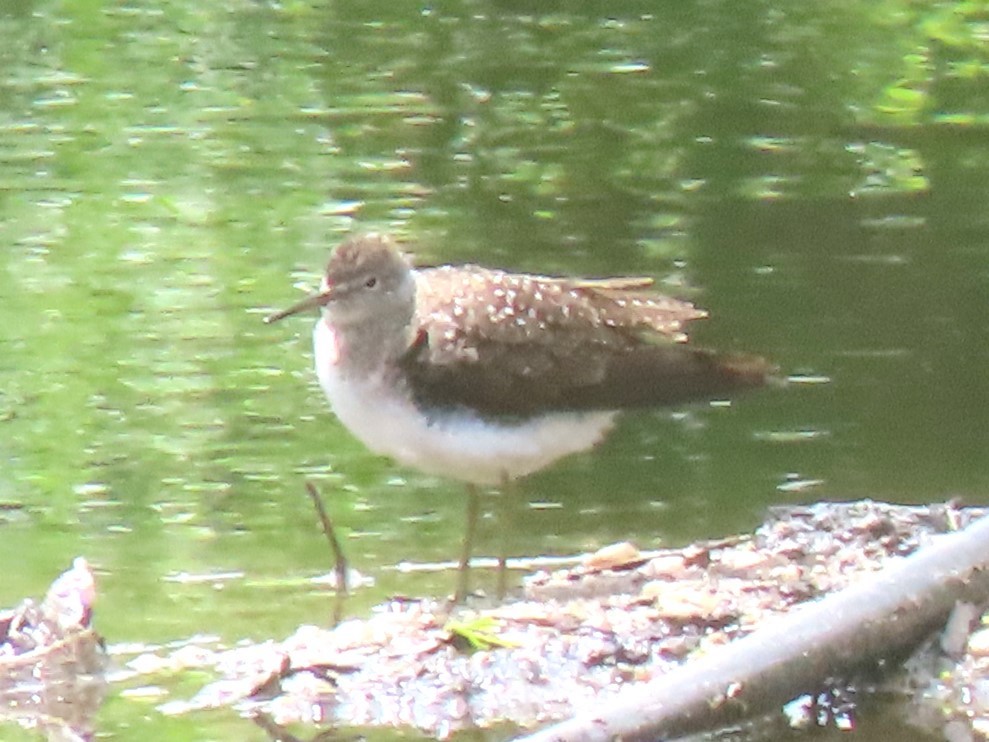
[310, 302]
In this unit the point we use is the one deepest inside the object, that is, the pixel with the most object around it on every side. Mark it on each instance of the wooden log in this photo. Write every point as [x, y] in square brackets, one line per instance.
[879, 619]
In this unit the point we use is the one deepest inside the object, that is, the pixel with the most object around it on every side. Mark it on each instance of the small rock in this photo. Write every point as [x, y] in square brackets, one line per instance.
[613, 556]
[684, 602]
[978, 643]
[670, 566]
[739, 560]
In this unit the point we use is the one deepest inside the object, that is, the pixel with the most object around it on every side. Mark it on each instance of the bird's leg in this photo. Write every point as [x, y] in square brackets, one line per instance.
[463, 570]
[505, 513]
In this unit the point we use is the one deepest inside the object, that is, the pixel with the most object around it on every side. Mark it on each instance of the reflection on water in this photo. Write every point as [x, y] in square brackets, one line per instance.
[167, 178]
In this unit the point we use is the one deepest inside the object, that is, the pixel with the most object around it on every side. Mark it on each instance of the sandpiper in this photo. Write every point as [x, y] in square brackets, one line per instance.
[486, 376]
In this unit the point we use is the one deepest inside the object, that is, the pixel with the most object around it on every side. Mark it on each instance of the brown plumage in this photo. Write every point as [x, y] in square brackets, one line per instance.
[513, 344]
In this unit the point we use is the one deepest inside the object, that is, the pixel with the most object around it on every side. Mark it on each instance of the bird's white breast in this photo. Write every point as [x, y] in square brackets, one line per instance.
[455, 444]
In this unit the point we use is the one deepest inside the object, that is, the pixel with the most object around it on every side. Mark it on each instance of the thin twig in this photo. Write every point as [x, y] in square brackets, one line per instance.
[340, 568]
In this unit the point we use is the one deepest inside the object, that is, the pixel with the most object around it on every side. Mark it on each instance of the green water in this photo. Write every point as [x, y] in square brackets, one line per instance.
[813, 174]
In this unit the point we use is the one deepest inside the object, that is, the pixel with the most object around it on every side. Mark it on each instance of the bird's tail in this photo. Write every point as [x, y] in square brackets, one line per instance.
[676, 374]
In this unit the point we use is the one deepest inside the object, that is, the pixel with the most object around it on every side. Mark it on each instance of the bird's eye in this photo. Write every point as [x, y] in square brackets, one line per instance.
[371, 282]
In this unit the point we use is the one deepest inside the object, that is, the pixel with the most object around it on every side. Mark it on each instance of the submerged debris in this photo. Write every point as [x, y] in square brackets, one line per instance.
[51, 660]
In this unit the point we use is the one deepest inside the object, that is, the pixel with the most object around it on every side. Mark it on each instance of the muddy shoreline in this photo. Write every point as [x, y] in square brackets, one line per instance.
[576, 637]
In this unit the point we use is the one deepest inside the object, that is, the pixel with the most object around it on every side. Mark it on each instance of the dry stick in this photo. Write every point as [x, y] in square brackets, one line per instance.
[340, 568]
[882, 616]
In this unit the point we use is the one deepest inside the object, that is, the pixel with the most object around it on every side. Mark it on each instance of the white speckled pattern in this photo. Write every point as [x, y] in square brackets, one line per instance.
[458, 305]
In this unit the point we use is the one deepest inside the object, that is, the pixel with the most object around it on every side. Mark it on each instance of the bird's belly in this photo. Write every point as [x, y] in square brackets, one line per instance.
[454, 444]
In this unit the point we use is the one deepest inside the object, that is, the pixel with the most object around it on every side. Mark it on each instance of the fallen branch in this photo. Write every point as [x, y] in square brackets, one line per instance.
[882, 616]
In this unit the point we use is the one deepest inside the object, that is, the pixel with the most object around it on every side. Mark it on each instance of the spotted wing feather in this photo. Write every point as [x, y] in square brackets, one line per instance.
[507, 344]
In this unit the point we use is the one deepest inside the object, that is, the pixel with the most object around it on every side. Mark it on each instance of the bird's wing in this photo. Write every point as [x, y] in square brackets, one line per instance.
[511, 344]
[461, 308]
